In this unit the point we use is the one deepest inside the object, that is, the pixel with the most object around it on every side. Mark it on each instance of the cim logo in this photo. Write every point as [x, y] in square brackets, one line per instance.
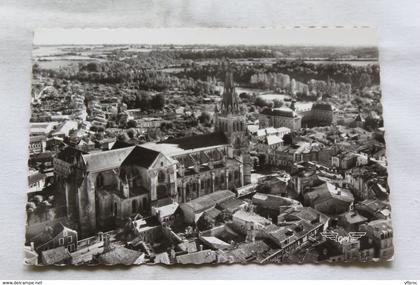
[351, 237]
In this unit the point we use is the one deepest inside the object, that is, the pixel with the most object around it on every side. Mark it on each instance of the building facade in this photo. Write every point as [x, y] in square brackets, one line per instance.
[104, 189]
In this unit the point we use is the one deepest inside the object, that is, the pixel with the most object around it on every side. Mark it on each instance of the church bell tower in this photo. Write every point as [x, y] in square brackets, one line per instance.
[231, 120]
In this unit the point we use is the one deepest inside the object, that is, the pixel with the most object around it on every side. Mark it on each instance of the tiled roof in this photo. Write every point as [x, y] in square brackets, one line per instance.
[120, 255]
[282, 112]
[104, 160]
[273, 139]
[322, 106]
[36, 177]
[55, 256]
[199, 141]
[273, 201]
[210, 200]
[199, 257]
[142, 156]
[327, 191]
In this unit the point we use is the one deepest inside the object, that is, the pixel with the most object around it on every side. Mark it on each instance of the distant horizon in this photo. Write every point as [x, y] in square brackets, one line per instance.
[337, 37]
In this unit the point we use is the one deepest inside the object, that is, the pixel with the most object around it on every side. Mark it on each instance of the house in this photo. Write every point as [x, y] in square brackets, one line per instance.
[193, 209]
[247, 252]
[272, 205]
[31, 256]
[351, 220]
[304, 177]
[199, 257]
[214, 242]
[121, 255]
[381, 233]
[307, 214]
[245, 221]
[329, 199]
[232, 205]
[329, 251]
[280, 117]
[36, 181]
[374, 209]
[37, 144]
[291, 237]
[166, 213]
[54, 256]
[41, 128]
[56, 236]
[344, 160]
[274, 184]
[63, 129]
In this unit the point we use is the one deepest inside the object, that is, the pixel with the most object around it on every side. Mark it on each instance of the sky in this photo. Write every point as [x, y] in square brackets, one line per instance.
[319, 36]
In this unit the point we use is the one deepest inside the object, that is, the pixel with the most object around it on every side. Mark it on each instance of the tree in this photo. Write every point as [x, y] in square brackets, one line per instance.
[204, 223]
[131, 133]
[278, 103]
[260, 102]
[92, 67]
[143, 100]
[158, 102]
[205, 118]
[123, 137]
[131, 124]
[245, 96]
[288, 139]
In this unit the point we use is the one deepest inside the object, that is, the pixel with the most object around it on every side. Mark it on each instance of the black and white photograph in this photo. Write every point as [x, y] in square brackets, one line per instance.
[221, 148]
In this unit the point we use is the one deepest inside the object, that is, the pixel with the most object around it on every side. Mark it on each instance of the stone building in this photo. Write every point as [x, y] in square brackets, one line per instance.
[104, 189]
[321, 114]
[280, 117]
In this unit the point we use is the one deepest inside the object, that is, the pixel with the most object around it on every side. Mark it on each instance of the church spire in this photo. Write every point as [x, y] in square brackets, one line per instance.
[230, 100]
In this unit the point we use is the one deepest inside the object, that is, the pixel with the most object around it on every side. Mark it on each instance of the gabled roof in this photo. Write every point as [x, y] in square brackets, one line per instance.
[199, 257]
[273, 201]
[273, 139]
[33, 178]
[208, 201]
[141, 156]
[282, 112]
[246, 251]
[199, 141]
[327, 191]
[56, 255]
[121, 255]
[104, 160]
[322, 106]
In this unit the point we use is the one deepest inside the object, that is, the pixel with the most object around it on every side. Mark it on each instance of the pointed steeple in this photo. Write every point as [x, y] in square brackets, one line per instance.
[230, 100]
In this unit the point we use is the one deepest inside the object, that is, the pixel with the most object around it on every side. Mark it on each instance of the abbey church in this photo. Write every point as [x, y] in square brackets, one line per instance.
[103, 189]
